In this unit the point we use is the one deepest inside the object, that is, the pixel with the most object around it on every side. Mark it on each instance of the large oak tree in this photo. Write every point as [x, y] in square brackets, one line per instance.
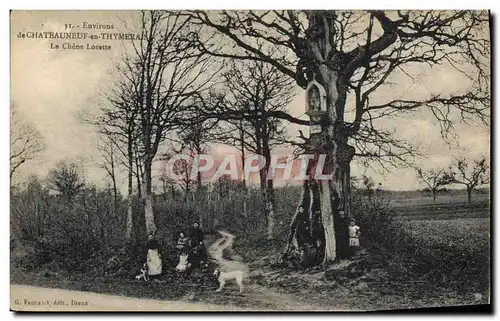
[354, 55]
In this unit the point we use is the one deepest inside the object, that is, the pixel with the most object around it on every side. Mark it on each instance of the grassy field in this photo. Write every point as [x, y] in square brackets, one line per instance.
[445, 207]
[458, 197]
[470, 233]
[458, 233]
[444, 211]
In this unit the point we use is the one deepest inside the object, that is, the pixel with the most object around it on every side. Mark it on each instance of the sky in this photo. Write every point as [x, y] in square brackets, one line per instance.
[51, 88]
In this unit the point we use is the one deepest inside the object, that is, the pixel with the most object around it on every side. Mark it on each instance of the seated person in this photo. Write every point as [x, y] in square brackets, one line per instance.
[182, 243]
[199, 254]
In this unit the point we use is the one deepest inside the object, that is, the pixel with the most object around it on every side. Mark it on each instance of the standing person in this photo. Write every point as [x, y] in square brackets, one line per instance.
[354, 233]
[153, 257]
[196, 234]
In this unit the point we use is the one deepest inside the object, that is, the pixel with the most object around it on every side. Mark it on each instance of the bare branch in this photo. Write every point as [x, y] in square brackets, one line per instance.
[25, 141]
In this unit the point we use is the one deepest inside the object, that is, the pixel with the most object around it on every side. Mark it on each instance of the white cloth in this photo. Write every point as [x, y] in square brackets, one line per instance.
[154, 262]
[353, 241]
[183, 263]
[354, 231]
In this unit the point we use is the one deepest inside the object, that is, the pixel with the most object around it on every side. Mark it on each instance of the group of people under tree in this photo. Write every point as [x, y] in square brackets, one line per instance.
[308, 231]
[191, 244]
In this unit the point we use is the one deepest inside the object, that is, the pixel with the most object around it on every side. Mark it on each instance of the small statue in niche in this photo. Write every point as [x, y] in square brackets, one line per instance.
[314, 99]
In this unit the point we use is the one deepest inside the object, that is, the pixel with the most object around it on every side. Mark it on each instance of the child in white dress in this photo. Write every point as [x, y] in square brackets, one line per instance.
[354, 233]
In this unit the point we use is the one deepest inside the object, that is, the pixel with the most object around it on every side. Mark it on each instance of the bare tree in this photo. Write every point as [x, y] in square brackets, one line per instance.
[254, 88]
[117, 122]
[353, 55]
[165, 74]
[471, 174]
[25, 141]
[193, 140]
[109, 163]
[434, 179]
[196, 136]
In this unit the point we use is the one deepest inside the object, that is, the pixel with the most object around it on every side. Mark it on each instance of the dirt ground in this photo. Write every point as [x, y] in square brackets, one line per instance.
[265, 290]
[30, 298]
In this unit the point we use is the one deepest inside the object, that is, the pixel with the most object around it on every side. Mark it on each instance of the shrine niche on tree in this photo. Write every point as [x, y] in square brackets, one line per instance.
[316, 99]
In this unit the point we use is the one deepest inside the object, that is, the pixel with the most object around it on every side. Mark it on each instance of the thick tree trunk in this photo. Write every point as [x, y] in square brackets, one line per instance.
[130, 197]
[129, 224]
[434, 195]
[331, 143]
[147, 198]
[269, 200]
[328, 221]
[328, 204]
[346, 178]
[138, 170]
[469, 195]
[130, 218]
[139, 179]
[306, 242]
[267, 192]
[319, 234]
[262, 180]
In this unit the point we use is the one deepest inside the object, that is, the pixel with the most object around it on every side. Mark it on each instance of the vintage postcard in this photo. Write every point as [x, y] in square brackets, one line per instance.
[282, 160]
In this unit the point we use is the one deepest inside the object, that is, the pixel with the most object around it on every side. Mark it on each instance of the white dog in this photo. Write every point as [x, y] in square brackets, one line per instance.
[143, 274]
[222, 277]
[183, 265]
[227, 269]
